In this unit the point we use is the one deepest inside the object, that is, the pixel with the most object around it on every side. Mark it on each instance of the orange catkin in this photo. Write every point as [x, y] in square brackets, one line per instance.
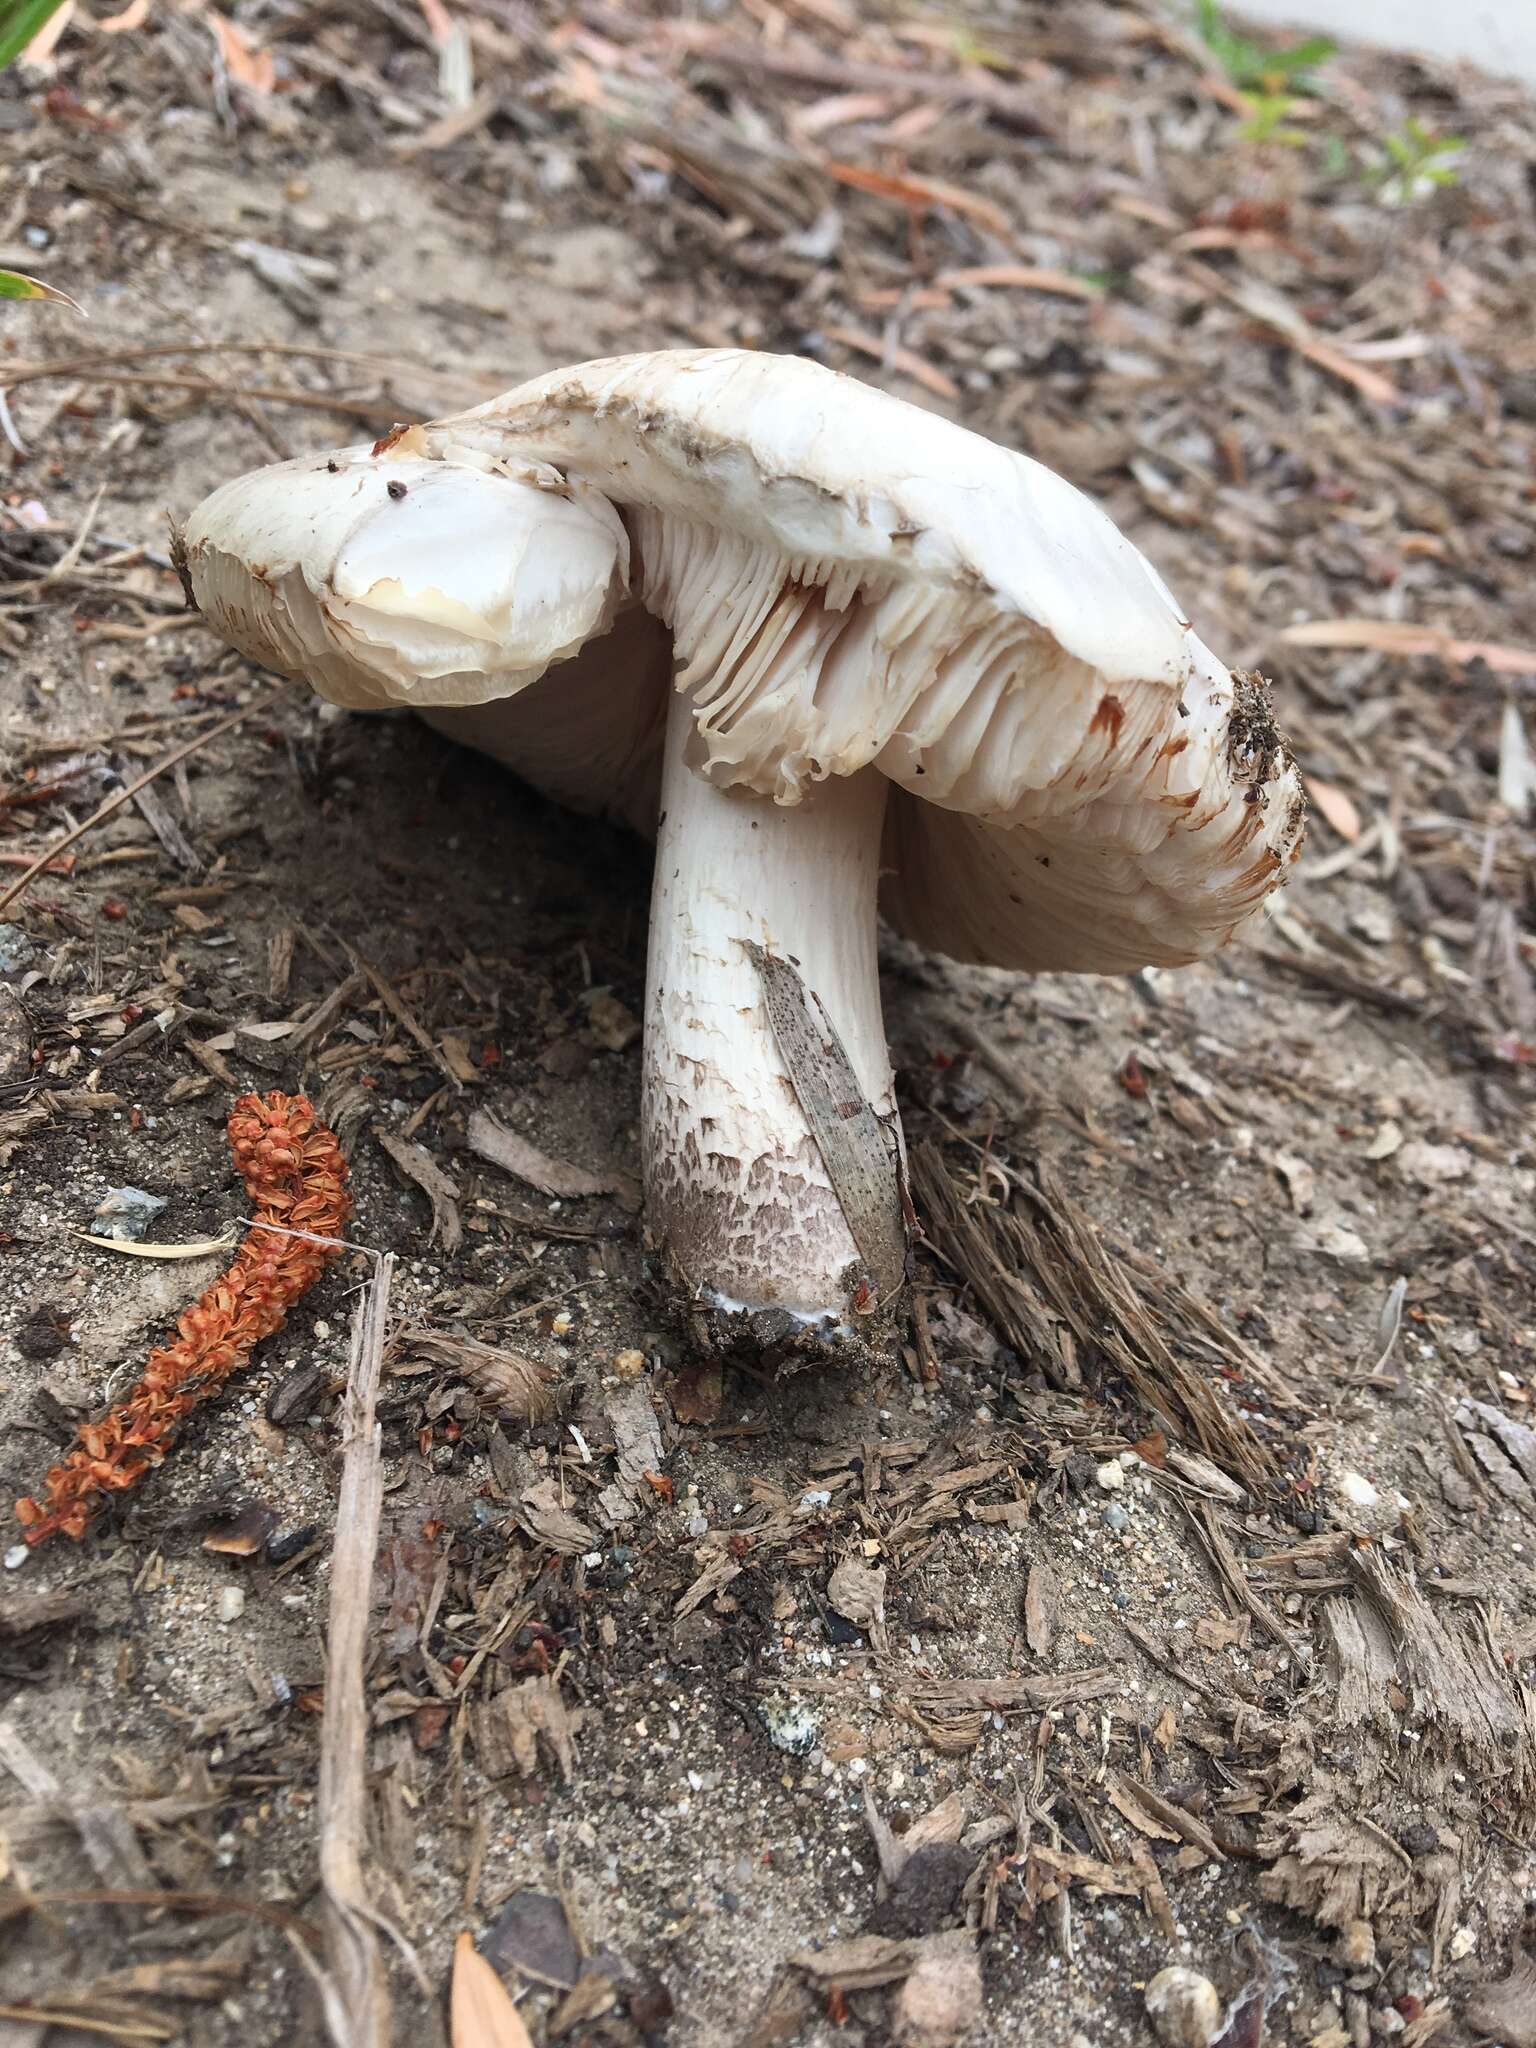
[295, 1176]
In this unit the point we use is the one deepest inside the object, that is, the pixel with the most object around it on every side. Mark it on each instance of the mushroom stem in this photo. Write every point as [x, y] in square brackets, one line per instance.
[737, 1194]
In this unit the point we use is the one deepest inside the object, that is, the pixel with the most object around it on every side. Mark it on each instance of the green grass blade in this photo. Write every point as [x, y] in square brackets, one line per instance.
[20, 21]
[15, 284]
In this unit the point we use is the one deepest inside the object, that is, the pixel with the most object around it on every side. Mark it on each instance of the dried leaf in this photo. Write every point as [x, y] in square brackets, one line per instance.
[1300, 1181]
[510, 1729]
[921, 193]
[1338, 808]
[246, 65]
[1021, 277]
[493, 1142]
[862, 1963]
[857, 1591]
[204, 1248]
[482, 2014]
[541, 1513]
[418, 1165]
[515, 1387]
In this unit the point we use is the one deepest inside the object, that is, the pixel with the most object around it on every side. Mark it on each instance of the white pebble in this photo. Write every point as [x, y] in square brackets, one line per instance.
[231, 1602]
[1111, 1476]
[1184, 2008]
[1357, 1489]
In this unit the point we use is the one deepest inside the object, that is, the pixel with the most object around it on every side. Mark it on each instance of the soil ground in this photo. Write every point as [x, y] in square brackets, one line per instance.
[1247, 1694]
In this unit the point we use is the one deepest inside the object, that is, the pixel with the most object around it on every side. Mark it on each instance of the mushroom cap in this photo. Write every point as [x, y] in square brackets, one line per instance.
[851, 583]
[390, 575]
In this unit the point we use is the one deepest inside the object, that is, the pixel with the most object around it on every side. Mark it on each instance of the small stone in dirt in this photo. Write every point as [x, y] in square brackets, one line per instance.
[1358, 1490]
[792, 1725]
[43, 1334]
[1111, 1476]
[1357, 1945]
[125, 1214]
[1184, 2008]
[532, 1934]
[1080, 1470]
[16, 1557]
[291, 1542]
[941, 2001]
[16, 949]
[231, 1602]
[1419, 1838]
[1117, 1518]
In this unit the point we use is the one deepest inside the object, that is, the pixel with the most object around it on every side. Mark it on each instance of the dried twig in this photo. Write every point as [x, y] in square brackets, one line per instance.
[352, 1984]
[116, 801]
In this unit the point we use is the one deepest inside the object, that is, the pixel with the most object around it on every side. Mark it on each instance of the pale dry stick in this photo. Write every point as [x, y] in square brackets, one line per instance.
[354, 1991]
[122, 796]
[16, 374]
[371, 411]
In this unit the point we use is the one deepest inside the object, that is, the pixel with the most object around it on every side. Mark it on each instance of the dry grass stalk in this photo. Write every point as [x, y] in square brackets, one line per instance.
[1057, 1291]
[115, 802]
[354, 1990]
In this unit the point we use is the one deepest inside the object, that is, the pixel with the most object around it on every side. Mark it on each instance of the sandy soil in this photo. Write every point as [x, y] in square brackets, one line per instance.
[1325, 1142]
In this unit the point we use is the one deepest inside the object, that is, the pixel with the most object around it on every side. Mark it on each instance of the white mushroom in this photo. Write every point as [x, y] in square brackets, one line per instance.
[904, 661]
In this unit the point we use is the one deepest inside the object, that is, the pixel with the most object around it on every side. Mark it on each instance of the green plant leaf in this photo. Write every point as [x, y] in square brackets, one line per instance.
[15, 284]
[20, 21]
[1251, 65]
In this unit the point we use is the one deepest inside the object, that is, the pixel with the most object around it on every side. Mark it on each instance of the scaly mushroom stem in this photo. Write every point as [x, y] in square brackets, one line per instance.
[736, 1190]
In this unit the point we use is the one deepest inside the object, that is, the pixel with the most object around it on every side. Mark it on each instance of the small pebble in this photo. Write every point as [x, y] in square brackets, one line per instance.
[1358, 1490]
[231, 1602]
[792, 1725]
[16, 1557]
[1117, 1518]
[1462, 1944]
[1184, 2008]
[1357, 1945]
[16, 949]
[125, 1214]
[292, 1541]
[1111, 1476]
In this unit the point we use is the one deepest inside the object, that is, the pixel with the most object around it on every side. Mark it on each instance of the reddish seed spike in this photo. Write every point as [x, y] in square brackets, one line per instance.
[291, 1166]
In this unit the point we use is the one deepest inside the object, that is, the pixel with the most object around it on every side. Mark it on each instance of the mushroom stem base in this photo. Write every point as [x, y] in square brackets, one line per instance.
[737, 1193]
